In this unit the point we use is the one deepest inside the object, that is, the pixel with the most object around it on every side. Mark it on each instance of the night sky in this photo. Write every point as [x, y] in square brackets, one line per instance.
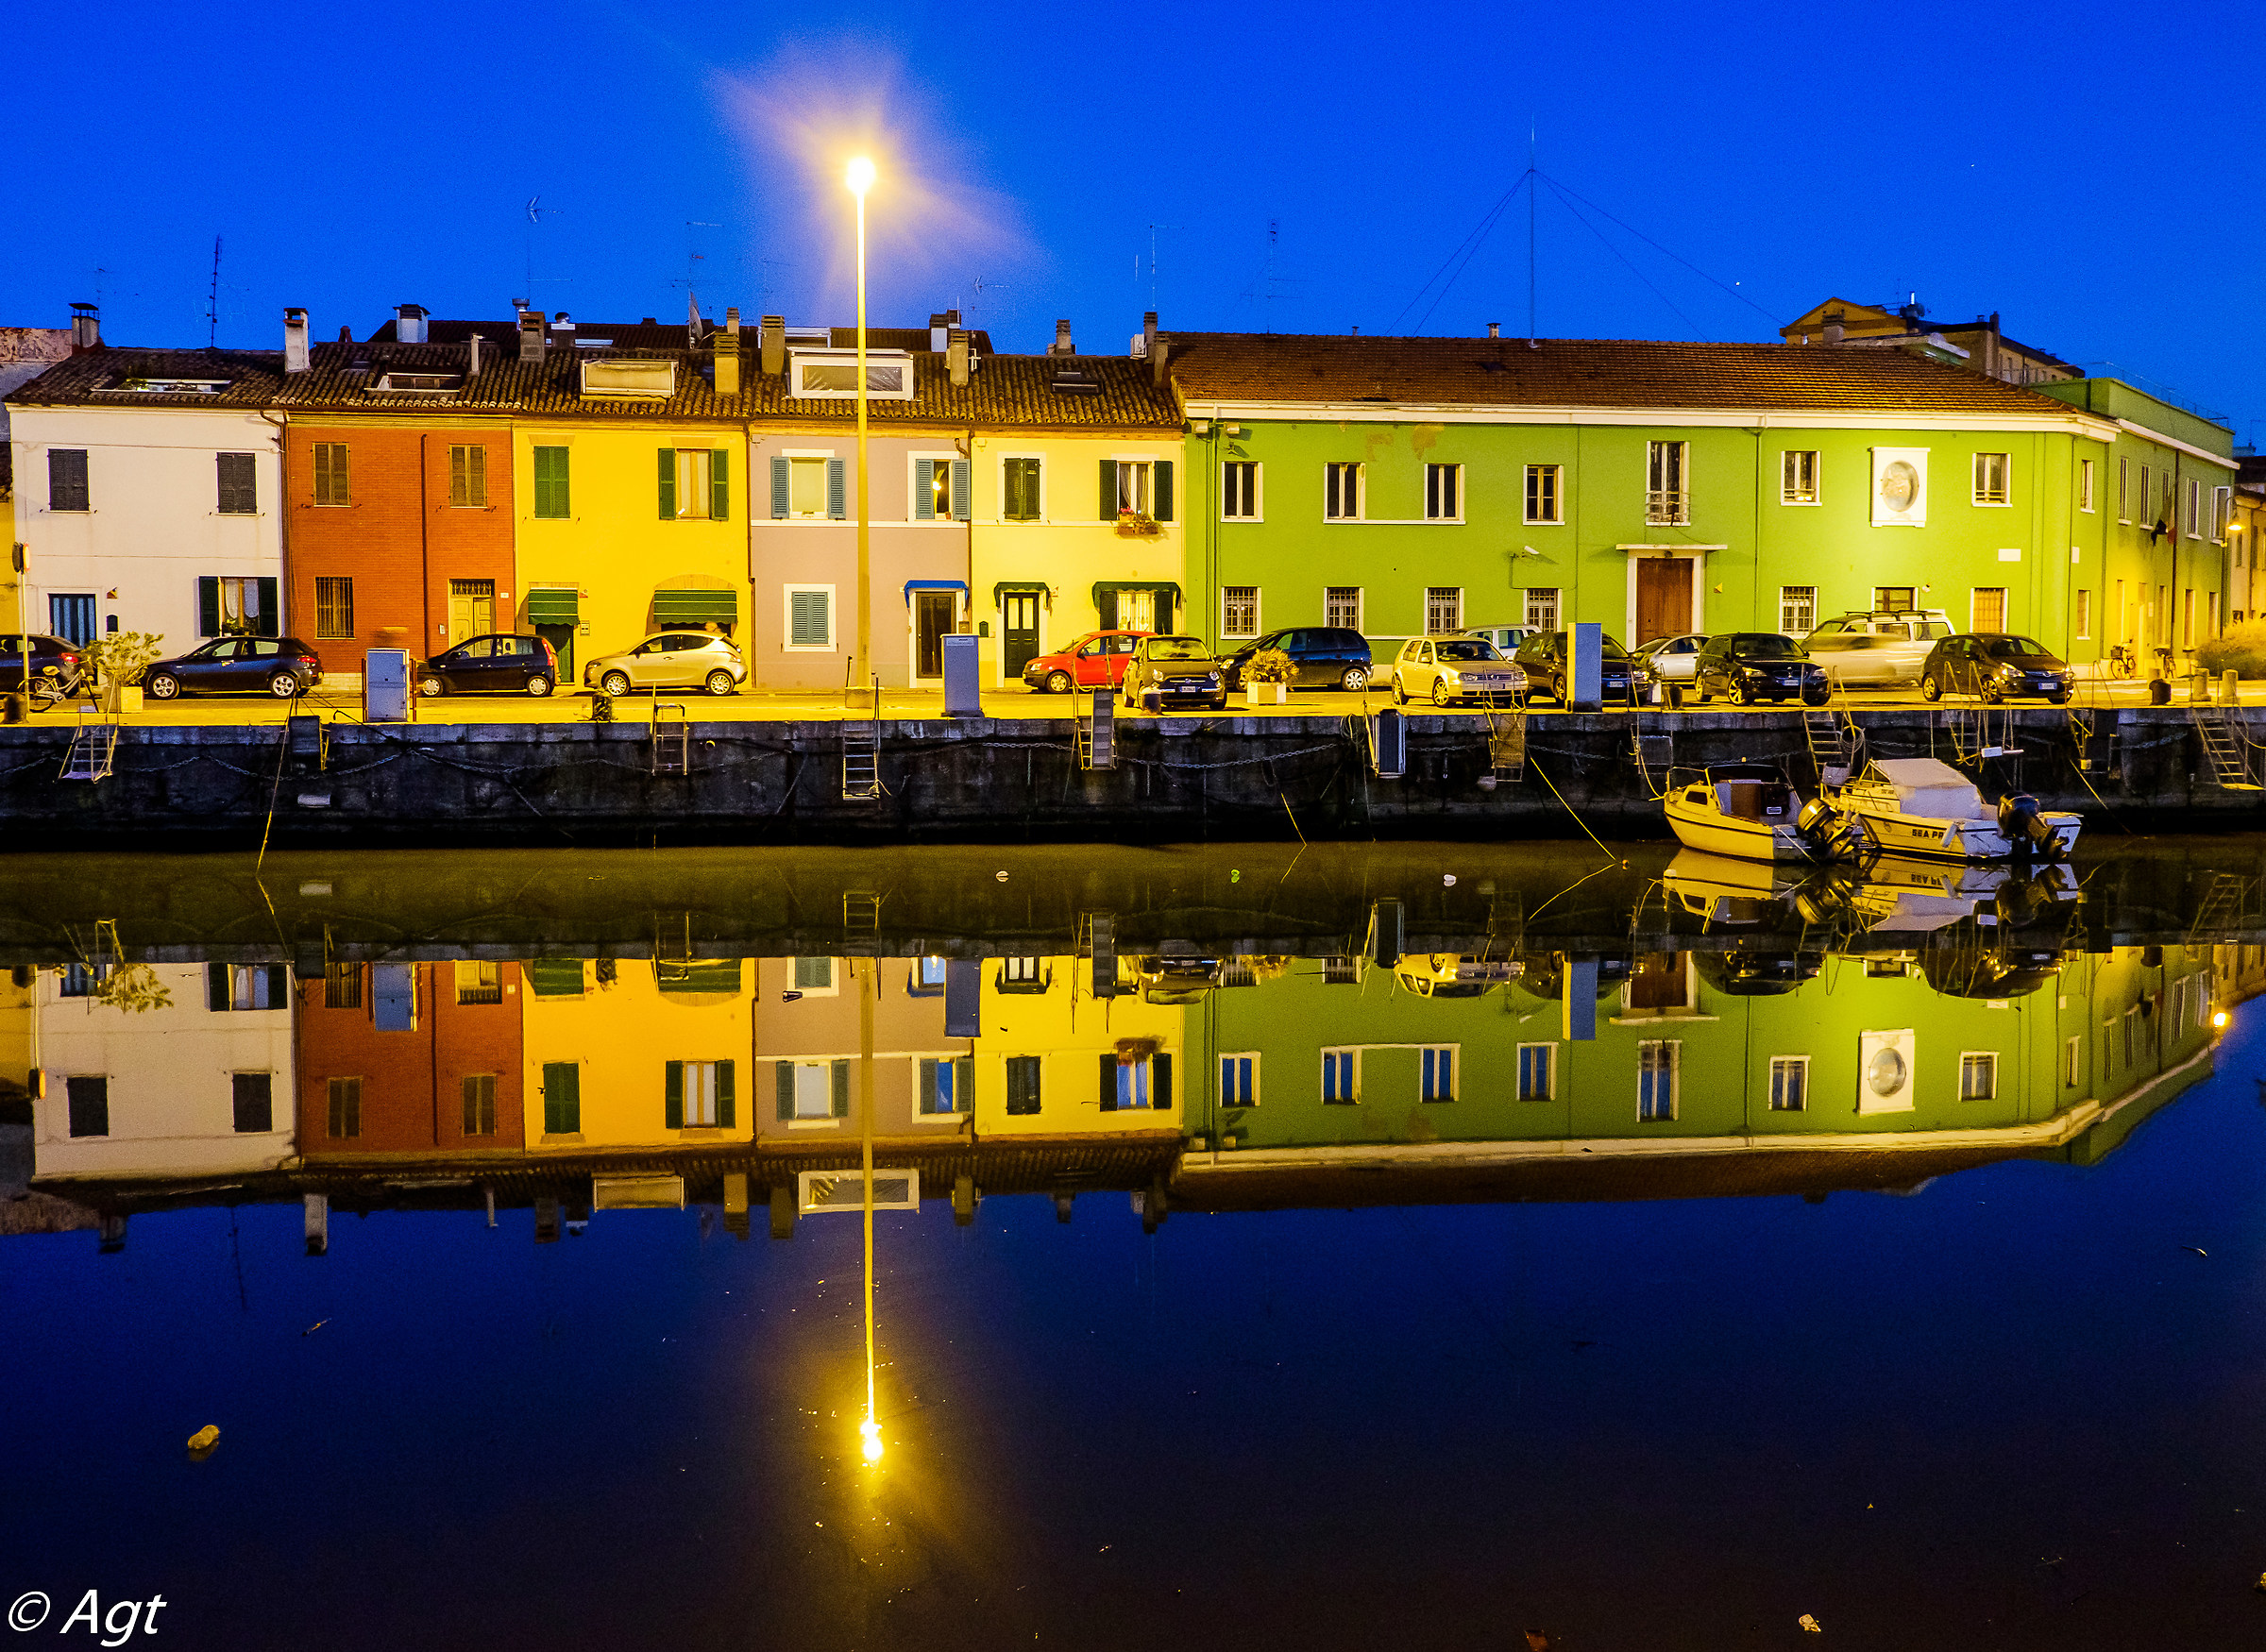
[2082, 170]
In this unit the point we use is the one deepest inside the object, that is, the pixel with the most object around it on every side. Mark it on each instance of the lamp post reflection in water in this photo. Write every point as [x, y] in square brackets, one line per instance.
[869, 982]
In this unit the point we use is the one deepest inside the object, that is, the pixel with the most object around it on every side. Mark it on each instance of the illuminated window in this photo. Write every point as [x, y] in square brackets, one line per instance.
[1437, 1072]
[1797, 476]
[1656, 1065]
[1546, 485]
[1342, 493]
[1537, 1071]
[1991, 478]
[1789, 1082]
[1341, 1077]
[1978, 1077]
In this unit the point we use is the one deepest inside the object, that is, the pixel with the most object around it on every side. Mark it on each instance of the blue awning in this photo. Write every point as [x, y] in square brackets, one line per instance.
[912, 585]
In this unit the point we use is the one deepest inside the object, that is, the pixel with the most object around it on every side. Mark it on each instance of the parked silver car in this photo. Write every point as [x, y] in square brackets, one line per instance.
[1448, 668]
[672, 659]
[1673, 659]
[1883, 649]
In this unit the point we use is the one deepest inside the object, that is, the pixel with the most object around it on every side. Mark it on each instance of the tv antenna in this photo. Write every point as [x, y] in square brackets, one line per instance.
[536, 213]
[694, 257]
[1154, 228]
[213, 301]
[979, 286]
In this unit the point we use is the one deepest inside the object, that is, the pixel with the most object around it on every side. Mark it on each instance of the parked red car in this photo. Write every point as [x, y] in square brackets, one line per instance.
[1097, 660]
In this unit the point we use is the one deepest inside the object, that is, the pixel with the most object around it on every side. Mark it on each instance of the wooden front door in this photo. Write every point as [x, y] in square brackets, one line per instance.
[1018, 632]
[1663, 599]
[932, 623]
[471, 609]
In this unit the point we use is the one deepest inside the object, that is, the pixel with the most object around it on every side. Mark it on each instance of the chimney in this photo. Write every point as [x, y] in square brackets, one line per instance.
[531, 337]
[86, 328]
[1062, 344]
[1834, 319]
[955, 357]
[940, 332]
[409, 324]
[562, 329]
[1161, 353]
[732, 319]
[472, 355]
[724, 341]
[294, 341]
[774, 345]
[1495, 329]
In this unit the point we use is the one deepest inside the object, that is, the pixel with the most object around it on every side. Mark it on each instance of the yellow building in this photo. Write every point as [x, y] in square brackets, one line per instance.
[1054, 1060]
[632, 1052]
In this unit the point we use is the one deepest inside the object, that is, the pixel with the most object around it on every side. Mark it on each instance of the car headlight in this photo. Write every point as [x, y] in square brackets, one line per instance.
[1212, 677]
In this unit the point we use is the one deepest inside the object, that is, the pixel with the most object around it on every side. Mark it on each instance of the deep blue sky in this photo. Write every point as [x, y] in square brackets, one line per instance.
[2082, 169]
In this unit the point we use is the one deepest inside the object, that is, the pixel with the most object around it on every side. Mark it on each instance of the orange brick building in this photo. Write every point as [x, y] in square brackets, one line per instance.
[410, 1058]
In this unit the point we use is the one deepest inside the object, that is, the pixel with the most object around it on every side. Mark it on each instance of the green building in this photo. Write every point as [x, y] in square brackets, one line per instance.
[1403, 486]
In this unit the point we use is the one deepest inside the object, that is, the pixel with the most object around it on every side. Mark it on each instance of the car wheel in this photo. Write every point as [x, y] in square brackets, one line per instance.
[1557, 689]
[1738, 694]
[1355, 679]
[538, 687]
[1057, 683]
[2061, 699]
[1439, 691]
[431, 687]
[1401, 695]
[720, 682]
[1816, 697]
[615, 684]
[1220, 704]
[284, 685]
[163, 686]
[1929, 690]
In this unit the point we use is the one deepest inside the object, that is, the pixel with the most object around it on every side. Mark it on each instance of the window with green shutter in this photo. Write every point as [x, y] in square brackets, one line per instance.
[837, 506]
[719, 484]
[669, 484]
[810, 618]
[552, 497]
[960, 490]
[1109, 490]
[1163, 491]
[1020, 487]
[925, 490]
[562, 1098]
[781, 486]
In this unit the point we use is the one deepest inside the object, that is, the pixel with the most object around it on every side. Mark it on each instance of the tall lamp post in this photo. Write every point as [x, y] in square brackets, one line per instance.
[860, 178]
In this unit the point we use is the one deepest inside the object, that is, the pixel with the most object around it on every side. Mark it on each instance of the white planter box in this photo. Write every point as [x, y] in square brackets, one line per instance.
[1266, 693]
[122, 701]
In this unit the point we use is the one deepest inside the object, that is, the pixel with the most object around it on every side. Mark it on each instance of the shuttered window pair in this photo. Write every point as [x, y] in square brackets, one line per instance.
[468, 475]
[810, 619]
[552, 497]
[808, 487]
[939, 490]
[695, 484]
[699, 1095]
[239, 487]
[562, 1098]
[947, 1085]
[332, 482]
[1021, 480]
[231, 606]
[812, 1089]
[67, 478]
[1140, 486]
[232, 987]
[1128, 1085]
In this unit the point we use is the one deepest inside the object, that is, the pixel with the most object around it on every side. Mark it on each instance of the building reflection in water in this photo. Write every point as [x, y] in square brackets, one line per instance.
[1763, 1035]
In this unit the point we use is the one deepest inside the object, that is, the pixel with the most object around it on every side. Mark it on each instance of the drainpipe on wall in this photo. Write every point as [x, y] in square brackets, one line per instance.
[424, 552]
[282, 519]
[967, 447]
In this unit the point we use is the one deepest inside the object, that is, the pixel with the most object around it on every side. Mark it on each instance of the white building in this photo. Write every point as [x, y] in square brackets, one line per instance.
[148, 494]
[200, 1086]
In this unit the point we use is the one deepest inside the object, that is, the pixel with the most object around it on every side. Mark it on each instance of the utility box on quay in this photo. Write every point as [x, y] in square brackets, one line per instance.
[385, 686]
[963, 693]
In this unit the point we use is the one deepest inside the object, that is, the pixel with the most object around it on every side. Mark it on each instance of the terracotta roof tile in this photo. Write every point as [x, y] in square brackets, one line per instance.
[663, 335]
[1619, 373]
[95, 378]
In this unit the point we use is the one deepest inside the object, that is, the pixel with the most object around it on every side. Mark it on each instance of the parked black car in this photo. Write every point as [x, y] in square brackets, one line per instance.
[283, 666]
[1322, 657]
[1748, 665]
[503, 664]
[55, 666]
[1995, 665]
[1541, 657]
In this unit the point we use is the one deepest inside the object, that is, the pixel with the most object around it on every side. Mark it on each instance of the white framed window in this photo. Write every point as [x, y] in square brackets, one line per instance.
[1342, 493]
[2194, 522]
[809, 618]
[1797, 476]
[2222, 505]
[1342, 607]
[2072, 1062]
[1789, 1082]
[1990, 480]
[815, 977]
[1134, 476]
[1978, 1077]
[1657, 1060]
[1021, 488]
[2147, 499]
[1443, 610]
[1545, 495]
[1541, 608]
[1537, 1073]
[1239, 1079]
[1667, 489]
[1987, 608]
[700, 1080]
[1436, 1067]
[2123, 490]
[695, 489]
[2187, 618]
[815, 483]
[2081, 613]
[1239, 611]
[944, 1084]
[1444, 493]
[813, 1093]
[936, 487]
[2084, 484]
[1797, 609]
[1341, 1077]
[831, 375]
[1128, 1085]
[1239, 491]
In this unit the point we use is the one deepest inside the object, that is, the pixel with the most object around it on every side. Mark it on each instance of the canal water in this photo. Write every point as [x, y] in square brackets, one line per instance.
[1362, 1245]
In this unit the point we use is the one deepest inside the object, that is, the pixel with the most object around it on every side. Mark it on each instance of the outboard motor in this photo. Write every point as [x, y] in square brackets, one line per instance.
[2024, 827]
[1832, 833]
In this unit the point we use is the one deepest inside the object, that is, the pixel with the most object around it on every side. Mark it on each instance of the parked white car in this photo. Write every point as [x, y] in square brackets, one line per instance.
[1674, 659]
[1876, 650]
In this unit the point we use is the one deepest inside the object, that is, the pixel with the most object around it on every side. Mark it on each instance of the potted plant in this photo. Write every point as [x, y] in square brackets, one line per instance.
[1136, 522]
[116, 662]
[1267, 678]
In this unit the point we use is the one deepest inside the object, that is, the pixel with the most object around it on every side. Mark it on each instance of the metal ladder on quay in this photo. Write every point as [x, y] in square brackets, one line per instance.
[671, 733]
[2225, 749]
[1834, 739]
[861, 763]
[1507, 741]
[2222, 902]
[1097, 730]
[94, 751]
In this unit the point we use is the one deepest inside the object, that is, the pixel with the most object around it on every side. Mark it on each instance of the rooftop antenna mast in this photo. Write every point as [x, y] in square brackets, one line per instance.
[536, 213]
[1530, 334]
[213, 301]
[1153, 230]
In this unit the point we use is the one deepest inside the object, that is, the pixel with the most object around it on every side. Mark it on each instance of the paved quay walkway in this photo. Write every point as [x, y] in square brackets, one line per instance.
[916, 705]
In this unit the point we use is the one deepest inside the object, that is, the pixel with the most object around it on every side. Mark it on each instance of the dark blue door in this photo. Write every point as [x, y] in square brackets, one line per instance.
[72, 619]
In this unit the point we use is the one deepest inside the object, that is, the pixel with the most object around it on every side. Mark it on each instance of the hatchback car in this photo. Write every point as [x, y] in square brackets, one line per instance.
[1175, 670]
[1541, 659]
[54, 667]
[1673, 659]
[1097, 660]
[1994, 665]
[1322, 657]
[282, 667]
[1506, 638]
[492, 664]
[1749, 666]
[1448, 668]
[674, 658]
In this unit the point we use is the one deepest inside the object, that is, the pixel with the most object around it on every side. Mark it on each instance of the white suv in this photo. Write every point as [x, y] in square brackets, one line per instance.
[1884, 650]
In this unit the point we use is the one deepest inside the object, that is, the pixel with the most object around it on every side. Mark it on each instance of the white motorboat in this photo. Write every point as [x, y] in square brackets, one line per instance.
[1750, 810]
[1920, 806]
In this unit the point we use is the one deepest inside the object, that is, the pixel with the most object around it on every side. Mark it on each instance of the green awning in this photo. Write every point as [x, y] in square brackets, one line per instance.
[700, 975]
[696, 607]
[1162, 587]
[549, 605]
[555, 977]
[1036, 587]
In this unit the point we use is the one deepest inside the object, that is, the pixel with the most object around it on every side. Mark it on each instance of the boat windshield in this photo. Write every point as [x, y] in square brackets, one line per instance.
[1467, 648]
[2015, 648]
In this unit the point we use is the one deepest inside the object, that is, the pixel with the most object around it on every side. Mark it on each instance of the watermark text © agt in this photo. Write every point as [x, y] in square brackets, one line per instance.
[120, 1623]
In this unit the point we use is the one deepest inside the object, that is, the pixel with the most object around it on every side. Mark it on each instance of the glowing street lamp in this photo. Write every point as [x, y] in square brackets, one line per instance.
[860, 179]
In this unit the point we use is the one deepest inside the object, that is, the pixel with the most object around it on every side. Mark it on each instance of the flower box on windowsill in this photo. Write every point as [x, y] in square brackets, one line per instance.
[1267, 693]
[1136, 523]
